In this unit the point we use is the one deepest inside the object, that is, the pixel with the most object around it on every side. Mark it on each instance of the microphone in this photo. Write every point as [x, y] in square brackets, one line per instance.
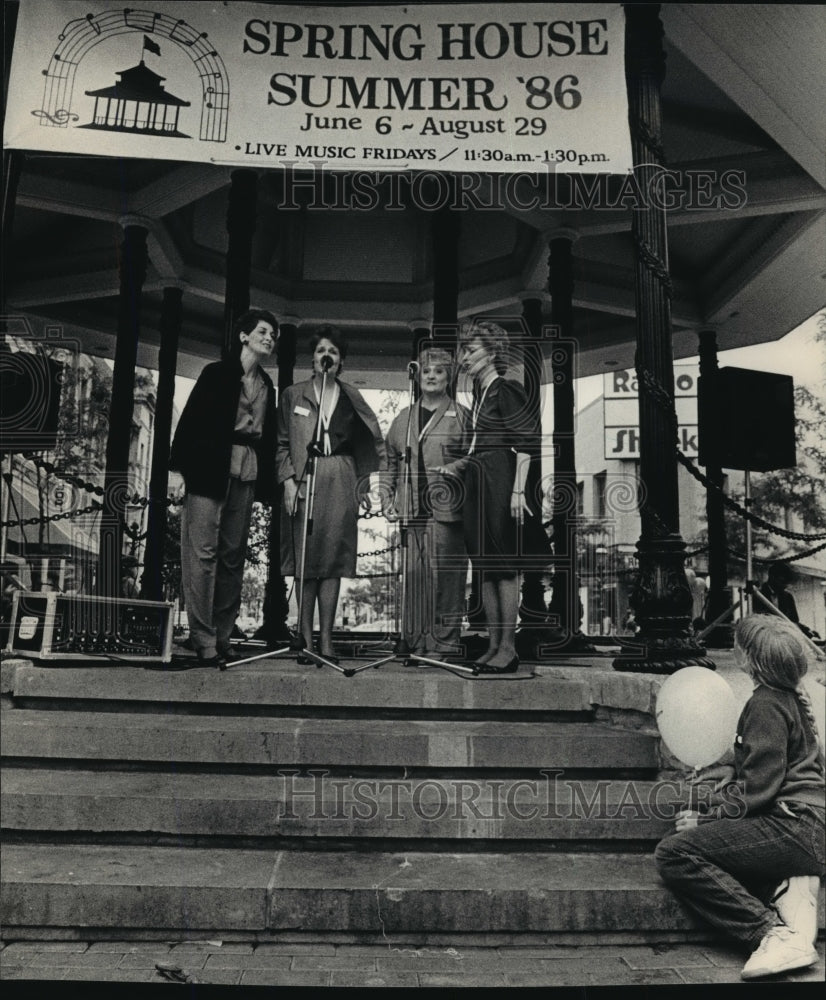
[412, 368]
[326, 363]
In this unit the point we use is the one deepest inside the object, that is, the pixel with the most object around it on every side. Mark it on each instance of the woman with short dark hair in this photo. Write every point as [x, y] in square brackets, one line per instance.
[350, 448]
[223, 448]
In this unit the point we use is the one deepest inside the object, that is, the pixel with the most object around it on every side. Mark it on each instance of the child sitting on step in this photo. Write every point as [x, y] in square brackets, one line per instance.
[722, 860]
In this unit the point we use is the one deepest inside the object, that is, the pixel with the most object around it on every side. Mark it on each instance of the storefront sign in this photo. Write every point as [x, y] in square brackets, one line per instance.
[621, 412]
[467, 87]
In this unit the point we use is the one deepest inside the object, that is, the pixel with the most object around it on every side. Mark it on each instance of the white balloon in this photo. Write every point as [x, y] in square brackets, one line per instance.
[697, 715]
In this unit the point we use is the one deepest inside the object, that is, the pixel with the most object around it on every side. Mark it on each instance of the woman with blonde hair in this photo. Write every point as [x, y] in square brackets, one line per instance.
[424, 436]
[502, 524]
[764, 830]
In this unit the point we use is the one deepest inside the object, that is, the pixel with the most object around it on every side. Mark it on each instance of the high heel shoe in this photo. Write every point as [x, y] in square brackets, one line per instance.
[488, 668]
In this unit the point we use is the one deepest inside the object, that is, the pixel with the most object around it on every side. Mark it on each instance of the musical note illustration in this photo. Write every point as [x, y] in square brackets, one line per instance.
[60, 117]
[79, 36]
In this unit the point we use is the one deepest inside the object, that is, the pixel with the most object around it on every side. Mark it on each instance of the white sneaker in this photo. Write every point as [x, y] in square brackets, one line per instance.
[781, 950]
[795, 899]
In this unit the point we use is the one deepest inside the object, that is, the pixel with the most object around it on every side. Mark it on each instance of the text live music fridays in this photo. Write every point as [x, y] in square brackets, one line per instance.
[460, 87]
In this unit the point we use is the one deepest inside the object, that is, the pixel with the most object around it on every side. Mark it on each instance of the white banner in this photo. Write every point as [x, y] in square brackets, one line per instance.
[467, 87]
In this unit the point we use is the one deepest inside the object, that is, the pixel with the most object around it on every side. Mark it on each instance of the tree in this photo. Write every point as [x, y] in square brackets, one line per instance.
[172, 555]
[258, 541]
[392, 402]
[83, 423]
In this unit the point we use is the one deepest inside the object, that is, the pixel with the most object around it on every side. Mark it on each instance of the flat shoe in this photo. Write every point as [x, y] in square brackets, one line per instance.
[303, 660]
[213, 661]
[487, 668]
[329, 657]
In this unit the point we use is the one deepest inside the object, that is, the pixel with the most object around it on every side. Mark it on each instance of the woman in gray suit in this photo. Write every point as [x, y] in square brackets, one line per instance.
[351, 447]
[436, 559]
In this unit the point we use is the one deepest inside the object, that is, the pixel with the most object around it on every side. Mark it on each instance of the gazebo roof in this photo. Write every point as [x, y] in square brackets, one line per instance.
[138, 83]
[738, 107]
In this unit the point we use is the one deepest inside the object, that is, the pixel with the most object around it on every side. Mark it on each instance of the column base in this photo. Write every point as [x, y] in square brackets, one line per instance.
[661, 655]
[272, 636]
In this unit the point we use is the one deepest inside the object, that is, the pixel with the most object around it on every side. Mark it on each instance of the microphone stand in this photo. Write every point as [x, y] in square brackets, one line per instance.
[298, 643]
[401, 648]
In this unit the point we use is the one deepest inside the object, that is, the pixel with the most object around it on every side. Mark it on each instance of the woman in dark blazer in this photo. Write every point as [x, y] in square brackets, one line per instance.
[501, 524]
[351, 448]
[223, 448]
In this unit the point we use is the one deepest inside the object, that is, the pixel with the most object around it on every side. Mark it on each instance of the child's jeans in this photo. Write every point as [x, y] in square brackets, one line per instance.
[722, 868]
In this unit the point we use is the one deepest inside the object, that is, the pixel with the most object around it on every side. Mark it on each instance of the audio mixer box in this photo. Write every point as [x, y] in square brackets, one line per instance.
[51, 626]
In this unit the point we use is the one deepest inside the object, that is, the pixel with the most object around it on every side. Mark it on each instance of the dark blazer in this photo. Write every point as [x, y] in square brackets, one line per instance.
[202, 448]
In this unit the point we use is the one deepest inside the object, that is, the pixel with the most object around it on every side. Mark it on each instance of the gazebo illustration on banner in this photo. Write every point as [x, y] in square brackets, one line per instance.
[138, 102]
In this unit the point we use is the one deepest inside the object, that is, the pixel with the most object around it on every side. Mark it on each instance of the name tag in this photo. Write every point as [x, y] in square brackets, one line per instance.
[302, 411]
[450, 413]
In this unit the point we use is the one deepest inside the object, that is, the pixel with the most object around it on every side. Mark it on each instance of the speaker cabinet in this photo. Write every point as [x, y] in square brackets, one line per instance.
[746, 420]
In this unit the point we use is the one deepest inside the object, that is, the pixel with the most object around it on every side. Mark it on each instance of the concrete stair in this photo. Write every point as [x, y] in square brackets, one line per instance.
[181, 891]
[276, 800]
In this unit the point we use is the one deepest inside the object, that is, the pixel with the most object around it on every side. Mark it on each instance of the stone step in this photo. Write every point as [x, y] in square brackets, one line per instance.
[544, 808]
[188, 890]
[364, 743]
[271, 683]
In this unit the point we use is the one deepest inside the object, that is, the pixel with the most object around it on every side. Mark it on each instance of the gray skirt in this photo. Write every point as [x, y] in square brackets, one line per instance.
[331, 544]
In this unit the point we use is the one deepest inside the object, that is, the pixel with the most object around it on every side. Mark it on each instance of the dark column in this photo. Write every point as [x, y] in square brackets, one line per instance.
[532, 610]
[13, 166]
[564, 606]
[446, 227]
[12, 158]
[133, 261]
[274, 629]
[421, 334]
[240, 228]
[719, 600]
[152, 580]
[661, 597]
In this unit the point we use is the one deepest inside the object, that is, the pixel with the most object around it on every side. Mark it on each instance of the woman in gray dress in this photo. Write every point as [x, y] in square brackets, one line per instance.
[350, 448]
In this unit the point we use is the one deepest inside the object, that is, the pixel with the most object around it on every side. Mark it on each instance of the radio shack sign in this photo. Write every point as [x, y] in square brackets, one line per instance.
[621, 412]
[512, 88]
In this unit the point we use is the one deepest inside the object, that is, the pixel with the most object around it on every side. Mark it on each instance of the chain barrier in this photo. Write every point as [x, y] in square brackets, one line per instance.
[135, 500]
[66, 515]
[654, 265]
[379, 552]
[741, 556]
[645, 378]
[732, 504]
